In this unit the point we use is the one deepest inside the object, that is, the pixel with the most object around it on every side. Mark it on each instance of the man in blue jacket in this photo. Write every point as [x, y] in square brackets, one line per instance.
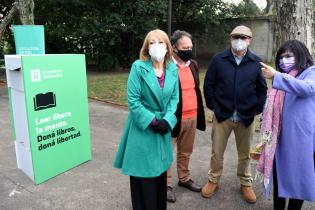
[235, 91]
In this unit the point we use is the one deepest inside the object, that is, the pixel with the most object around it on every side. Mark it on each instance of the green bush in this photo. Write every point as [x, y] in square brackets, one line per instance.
[1, 63]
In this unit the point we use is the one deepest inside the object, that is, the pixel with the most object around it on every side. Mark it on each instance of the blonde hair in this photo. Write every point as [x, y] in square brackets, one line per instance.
[144, 52]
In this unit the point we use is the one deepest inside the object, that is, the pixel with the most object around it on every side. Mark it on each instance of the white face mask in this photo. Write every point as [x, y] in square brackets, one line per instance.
[157, 52]
[239, 45]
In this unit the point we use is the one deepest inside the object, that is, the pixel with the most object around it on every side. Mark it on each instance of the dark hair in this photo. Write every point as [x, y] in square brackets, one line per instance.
[179, 34]
[302, 56]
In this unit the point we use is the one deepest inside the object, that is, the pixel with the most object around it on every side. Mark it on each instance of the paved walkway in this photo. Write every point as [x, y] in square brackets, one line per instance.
[97, 185]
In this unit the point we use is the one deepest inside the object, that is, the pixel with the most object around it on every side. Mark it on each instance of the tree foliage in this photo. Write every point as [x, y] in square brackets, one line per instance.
[111, 33]
[204, 12]
[247, 8]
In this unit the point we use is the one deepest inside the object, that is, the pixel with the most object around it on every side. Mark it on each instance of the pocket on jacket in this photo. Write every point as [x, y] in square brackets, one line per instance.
[140, 141]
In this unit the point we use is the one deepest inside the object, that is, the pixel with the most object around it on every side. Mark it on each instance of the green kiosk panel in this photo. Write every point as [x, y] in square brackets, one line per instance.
[49, 113]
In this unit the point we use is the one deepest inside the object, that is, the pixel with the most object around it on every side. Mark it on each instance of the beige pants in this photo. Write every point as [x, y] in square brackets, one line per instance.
[243, 136]
[185, 144]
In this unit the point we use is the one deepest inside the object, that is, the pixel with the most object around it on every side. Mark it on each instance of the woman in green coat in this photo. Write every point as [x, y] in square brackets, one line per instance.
[145, 150]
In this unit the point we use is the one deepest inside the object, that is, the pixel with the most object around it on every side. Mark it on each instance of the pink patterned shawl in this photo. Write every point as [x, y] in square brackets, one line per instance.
[270, 131]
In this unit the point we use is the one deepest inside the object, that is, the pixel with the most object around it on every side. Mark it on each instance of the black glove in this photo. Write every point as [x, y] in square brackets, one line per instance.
[161, 127]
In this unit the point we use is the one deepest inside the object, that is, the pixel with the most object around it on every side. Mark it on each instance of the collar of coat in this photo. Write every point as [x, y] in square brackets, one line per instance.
[227, 54]
[151, 80]
[148, 65]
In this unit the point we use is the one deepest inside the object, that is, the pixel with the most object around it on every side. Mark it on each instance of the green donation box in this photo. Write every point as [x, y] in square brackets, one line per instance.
[49, 113]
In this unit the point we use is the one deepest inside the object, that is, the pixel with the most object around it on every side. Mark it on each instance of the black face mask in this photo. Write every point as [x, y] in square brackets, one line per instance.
[185, 55]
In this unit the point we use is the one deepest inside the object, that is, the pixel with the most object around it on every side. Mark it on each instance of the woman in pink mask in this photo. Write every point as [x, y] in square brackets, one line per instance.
[288, 128]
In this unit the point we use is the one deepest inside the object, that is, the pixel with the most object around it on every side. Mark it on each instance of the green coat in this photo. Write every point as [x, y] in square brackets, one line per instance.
[141, 152]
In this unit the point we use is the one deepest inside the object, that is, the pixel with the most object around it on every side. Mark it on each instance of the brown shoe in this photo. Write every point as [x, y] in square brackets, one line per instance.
[209, 189]
[248, 194]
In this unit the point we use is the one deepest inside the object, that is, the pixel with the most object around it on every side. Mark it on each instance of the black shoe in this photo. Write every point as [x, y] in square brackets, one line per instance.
[191, 185]
[170, 195]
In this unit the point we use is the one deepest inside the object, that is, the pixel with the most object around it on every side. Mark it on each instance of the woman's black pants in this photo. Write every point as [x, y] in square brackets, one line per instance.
[148, 193]
[278, 202]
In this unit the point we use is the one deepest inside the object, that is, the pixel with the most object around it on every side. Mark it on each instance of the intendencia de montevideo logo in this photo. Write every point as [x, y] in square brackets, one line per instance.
[35, 75]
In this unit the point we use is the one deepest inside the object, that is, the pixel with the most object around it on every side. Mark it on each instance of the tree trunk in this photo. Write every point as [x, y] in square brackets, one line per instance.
[26, 11]
[270, 7]
[7, 20]
[295, 20]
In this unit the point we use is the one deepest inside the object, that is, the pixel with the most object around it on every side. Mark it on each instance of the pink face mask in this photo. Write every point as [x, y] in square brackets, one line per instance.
[287, 64]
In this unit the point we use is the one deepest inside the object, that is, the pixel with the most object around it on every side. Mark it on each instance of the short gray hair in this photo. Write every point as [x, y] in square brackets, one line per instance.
[178, 34]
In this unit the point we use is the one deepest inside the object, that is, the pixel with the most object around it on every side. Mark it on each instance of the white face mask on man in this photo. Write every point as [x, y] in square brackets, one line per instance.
[157, 51]
[238, 45]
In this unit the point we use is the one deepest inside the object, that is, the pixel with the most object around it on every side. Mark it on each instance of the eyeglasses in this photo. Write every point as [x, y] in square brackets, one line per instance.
[240, 37]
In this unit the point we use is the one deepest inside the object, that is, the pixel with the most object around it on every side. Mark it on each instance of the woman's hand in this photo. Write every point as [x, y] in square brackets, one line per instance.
[267, 71]
[160, 126]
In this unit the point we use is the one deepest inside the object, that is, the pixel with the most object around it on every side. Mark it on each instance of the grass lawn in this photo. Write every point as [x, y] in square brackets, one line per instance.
[111, 87]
